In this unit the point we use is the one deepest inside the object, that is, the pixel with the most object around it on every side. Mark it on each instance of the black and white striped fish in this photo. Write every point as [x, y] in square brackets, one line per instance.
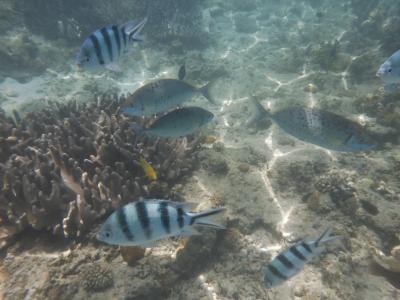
[144, 222]
[290, 262]
[106, 45]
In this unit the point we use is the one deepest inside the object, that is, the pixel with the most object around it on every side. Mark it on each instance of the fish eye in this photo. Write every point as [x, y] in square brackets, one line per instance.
[390, 70]
[107, 234]
[87, 58]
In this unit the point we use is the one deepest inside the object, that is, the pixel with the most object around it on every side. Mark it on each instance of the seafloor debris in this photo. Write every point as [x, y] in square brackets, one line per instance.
[389, 262]
[96, 277]
[339, 185]
[131, 254]
[68, 164]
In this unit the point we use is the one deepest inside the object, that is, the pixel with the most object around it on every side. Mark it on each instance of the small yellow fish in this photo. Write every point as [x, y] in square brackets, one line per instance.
[148, 169]
[209, 139]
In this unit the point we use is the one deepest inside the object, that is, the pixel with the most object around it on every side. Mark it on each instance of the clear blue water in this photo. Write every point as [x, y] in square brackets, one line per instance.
[69, 157]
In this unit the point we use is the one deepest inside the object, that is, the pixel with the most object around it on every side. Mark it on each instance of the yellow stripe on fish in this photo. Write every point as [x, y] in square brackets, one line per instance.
[148, 169]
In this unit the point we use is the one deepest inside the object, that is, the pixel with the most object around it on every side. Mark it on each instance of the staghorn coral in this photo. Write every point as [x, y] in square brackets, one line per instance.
[66, 166]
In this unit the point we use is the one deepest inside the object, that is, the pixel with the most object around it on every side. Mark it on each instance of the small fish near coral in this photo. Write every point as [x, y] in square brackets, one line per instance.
[162, 95]
[105, 46]
[178, 123]
[145, 222]
[290, 262]
[389, 71]
[148, 169]
[322, 128]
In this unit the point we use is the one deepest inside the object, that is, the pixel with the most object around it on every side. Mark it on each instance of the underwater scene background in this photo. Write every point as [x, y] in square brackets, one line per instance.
[300, 135]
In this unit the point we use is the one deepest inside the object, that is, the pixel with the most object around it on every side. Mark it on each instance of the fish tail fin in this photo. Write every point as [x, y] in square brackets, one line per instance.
[207, 218]
[259, 111]
[205, 91]
[133, 28]
[326, 237]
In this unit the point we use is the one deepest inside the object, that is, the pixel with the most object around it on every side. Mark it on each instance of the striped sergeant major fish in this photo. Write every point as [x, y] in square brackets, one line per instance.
[290, 262]
[146, 221]
[105, 46]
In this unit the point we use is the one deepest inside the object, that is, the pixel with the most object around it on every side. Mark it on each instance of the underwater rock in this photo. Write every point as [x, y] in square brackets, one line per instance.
[389, 262]
[131, 254]
[339, 185]
[96, 277]
[244, 167]
[197, 248]
[298, 172]
[67, 165]
[214, 162]
[19, 55]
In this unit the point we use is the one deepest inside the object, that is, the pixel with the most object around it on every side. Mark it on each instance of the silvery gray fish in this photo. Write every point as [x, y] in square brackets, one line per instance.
[322, 128]
[162, 95]
[290, 262]
[145, 222]
[105, 46]
[389, 71]
[179, 122]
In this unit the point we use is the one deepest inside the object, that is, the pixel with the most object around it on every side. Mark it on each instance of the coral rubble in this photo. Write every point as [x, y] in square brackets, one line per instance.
[96, 277]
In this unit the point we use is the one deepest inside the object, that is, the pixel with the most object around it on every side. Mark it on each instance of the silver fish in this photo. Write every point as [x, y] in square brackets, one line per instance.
[322, 128]
[160, 96]
[290, 262]
[106, 45]
[145, 222]
[389, 71]
[179, 122]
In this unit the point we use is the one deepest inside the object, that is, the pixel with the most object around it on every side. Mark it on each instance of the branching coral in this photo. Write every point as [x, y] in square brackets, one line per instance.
[66, 166]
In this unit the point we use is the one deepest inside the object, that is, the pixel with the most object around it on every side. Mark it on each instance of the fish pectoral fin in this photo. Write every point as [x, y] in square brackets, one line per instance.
[189, 231]
[114, 67]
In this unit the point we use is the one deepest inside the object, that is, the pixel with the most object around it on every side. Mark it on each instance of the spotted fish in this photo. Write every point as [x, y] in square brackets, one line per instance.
[162, 95]
[106, 45]
[290, 262]
[147, 221]
[177, 123]
[322, 128]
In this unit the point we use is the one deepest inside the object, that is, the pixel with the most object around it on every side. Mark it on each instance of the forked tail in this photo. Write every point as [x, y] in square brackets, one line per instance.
[206, 218]
[205, 91]
[326, 237]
